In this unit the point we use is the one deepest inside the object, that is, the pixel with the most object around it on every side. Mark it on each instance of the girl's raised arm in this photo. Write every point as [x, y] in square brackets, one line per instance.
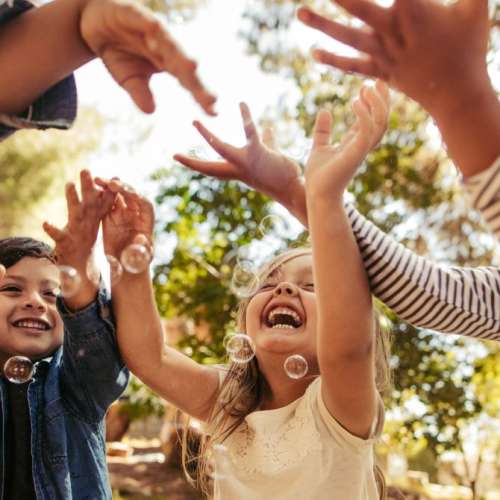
[345, 326]
[189, 386]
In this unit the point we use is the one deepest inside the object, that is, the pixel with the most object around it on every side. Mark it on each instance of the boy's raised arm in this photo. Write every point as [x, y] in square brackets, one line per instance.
[92, 373]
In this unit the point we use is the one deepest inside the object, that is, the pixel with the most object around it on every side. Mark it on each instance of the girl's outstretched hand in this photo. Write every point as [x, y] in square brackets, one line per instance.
[131, 219]
[330, 167]
[258, 164]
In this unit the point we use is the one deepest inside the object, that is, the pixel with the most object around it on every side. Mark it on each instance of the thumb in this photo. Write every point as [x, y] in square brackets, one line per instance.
[322, 128]
[138, 89]
[2, 272]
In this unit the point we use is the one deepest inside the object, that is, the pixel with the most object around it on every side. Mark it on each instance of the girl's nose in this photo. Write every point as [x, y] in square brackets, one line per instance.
[287, 289]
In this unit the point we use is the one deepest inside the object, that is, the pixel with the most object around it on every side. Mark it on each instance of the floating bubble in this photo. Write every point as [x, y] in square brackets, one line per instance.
[93, 273]
[219, 462]
[240, 348]
[18, 369]
[244, 281]
[226, 339]
[115, 269]
[135, 258]
[272, 225]
[296, 366]
[70, 281]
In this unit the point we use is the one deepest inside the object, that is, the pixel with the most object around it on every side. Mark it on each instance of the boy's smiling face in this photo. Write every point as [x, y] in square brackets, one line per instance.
[30, 324]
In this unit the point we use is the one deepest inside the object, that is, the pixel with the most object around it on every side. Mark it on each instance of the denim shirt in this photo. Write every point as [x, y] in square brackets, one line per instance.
[68, 398]
[56, 108]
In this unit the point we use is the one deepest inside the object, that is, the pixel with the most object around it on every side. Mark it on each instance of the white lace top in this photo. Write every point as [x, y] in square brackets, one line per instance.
[296, 452]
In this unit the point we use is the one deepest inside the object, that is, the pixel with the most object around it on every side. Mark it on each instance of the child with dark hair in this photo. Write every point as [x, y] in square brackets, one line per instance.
[41, 48]
[52, 444]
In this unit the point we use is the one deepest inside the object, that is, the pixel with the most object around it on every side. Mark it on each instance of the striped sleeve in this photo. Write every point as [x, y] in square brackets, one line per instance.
[465, 301]
[484, 192]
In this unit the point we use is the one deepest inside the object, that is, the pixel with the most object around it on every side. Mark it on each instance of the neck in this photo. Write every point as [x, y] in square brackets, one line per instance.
[281, 389]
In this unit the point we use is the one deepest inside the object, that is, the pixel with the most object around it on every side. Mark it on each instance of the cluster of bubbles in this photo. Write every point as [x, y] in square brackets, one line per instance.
[134, 259]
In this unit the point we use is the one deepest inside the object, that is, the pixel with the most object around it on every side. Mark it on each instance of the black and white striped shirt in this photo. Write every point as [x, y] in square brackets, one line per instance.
[448, 299]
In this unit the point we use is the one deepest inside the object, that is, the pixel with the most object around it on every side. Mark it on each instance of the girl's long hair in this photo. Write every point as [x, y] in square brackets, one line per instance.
[243, 388]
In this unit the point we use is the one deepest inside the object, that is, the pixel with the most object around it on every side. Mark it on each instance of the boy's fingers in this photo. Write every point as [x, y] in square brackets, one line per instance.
[3, 271]
[56, 234]
[322, 128]
[72, 199]
[138, 18]
[225, 150]
[87, 186]
[248, 124]
[358, 38]
[219, 169]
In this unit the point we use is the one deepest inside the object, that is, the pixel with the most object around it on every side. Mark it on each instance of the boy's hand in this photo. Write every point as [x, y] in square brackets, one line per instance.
[330, 167]
[421, 47]
[2, 272]
[258, 164]
[134, 45]
[74, 243]
[130, 221]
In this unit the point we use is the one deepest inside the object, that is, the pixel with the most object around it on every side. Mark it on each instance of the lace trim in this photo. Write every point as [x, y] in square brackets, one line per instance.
[272, 452]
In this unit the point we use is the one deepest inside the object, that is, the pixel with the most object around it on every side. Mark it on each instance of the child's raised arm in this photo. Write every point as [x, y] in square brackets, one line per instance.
[180, 380]
[44, 45]
[345, 322]
[463, 301]
[434, 53]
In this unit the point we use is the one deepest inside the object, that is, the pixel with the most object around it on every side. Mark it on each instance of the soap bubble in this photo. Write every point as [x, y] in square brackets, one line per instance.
[93, 273]
[135, 258]
[18, 369]
[272, 225]
[70, 281]
[115, 269]
[241, 348]
[219, 462]
[244, 281]
[296, 366]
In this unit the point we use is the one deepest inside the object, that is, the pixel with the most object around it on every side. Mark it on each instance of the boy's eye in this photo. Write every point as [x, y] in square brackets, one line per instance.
[267, 286]
[309, 286]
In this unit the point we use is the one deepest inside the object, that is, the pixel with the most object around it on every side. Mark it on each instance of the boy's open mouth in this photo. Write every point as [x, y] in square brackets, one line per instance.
[283, 317]
[32, 324]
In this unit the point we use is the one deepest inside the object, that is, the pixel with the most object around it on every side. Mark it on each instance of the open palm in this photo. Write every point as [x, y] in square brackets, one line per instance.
[258, 164]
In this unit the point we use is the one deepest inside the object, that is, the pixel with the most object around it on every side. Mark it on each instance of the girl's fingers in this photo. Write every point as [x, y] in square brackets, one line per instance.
[268, 139]
[137, 86]
[361, 39]
[56, 234]
[377, 107]
[322, 128]
[383, 90]
[227, 151]
[248, 124]
[363, 66]
[219, 169]
[87, 186]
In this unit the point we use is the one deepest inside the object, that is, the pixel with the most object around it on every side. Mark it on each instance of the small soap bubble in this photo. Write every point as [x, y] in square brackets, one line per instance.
[80, 353]
[135, 258]
[18, 369]
[244, 281]
[226, 339]
[272, 225]
[115, 269]
[241, 348]
[70, 281]
[93, 273]
[296, 366]
[219, 462]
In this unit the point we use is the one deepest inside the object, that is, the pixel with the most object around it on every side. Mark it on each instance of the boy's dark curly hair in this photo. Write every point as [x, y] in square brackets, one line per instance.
[12, 250]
